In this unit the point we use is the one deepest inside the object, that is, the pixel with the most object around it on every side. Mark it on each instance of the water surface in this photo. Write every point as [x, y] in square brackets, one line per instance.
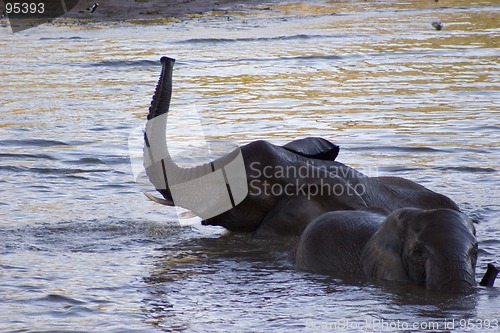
[83, 250]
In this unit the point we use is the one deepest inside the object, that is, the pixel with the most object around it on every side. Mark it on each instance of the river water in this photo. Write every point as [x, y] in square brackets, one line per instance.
[81, 249]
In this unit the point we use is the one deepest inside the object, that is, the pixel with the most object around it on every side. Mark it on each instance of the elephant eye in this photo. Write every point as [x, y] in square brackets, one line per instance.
[418, 250]
[473, 252]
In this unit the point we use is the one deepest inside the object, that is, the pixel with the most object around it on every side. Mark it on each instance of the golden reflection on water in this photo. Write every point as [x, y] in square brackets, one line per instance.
[393, 72]
[361, 88]
[346, 6]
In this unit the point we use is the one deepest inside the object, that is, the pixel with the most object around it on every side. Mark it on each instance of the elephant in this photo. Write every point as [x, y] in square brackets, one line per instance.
[435, 248]
[269, 189]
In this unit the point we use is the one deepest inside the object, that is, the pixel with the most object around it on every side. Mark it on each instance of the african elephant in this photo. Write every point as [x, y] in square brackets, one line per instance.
[265, 188]
[434, 248]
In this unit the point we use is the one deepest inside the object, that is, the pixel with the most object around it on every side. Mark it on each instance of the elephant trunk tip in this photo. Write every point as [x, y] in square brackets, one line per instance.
[459, 287]
[455, 281]
[163, 93]
[166, 60]
[490, 276]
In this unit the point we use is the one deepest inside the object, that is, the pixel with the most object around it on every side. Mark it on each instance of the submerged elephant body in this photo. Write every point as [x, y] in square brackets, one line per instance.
[435, 248]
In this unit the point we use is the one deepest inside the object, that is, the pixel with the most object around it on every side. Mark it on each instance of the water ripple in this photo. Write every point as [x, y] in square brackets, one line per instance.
[298, 37]
[36, 143]
[468, 169]
[123, 63]
[16, 156]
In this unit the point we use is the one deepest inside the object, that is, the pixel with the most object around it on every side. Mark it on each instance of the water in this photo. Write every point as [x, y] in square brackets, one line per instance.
[83, 250]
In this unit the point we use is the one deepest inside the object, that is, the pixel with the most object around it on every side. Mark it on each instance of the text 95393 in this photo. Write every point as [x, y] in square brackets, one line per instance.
[24, 7]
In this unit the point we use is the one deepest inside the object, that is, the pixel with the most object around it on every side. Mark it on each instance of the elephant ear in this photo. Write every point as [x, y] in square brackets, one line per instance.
[382, 255]
[314, 147]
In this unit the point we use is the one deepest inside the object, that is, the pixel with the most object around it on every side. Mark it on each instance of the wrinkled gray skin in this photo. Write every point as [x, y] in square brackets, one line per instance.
[434, 248]
[288, 213]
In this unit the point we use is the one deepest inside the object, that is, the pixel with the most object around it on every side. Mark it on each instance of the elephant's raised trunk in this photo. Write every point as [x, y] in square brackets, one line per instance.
[209, 189]
[160, 103]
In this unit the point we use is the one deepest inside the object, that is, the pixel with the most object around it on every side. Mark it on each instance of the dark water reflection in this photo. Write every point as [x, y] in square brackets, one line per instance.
[82, 249]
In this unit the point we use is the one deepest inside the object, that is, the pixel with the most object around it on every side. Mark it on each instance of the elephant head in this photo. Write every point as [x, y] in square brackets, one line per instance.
[435, 248]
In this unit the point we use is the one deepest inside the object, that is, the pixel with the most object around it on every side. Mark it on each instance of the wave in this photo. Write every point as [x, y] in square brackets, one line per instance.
[400, 149]
[464, 169]
[260, 39]
[63, 38]
[146, 63]
[122, 63]
[34, 142]
[27, 156]
[468, 169]
[107, 234]
[311, 58]
[50, 171]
